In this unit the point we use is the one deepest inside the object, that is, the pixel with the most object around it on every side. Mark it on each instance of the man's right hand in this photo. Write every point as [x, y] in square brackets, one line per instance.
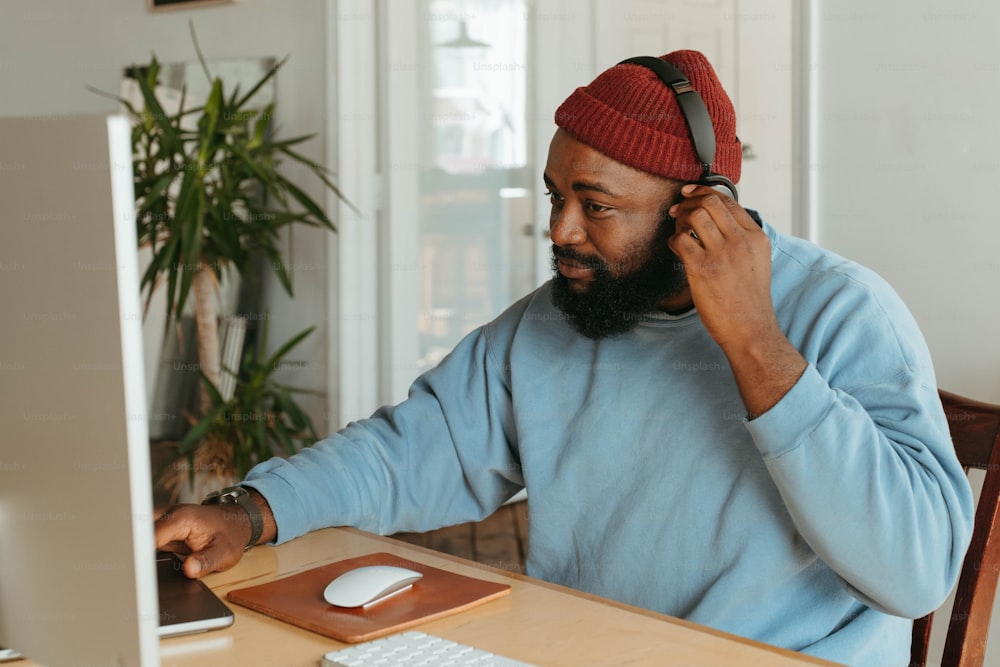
[213, 537]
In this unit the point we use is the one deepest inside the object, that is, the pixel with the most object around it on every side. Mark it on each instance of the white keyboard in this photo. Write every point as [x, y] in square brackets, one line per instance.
[416, 648]
[9, 654]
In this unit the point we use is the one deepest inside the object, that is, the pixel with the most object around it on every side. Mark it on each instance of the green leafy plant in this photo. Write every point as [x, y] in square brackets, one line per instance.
[260, 419]
[211, 197]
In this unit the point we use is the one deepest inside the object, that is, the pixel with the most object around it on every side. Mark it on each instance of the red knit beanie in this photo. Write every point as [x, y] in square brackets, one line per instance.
[628, 114]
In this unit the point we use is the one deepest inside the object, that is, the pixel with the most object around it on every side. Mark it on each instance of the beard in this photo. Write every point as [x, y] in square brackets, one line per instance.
[615, 304]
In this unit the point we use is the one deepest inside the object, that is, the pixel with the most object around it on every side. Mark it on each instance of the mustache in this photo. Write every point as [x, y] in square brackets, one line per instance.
[580, 259]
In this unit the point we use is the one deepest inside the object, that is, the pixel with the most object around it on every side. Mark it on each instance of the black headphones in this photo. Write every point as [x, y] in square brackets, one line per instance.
[695, 116]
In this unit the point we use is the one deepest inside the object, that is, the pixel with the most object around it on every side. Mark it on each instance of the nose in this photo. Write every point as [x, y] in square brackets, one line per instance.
[566, 228]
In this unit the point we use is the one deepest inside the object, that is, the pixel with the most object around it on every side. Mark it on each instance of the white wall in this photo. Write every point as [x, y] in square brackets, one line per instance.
[50, 50]
[904, 162]
[764, 109]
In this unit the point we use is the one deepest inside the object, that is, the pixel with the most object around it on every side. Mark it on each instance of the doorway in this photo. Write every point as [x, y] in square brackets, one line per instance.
[463, 103]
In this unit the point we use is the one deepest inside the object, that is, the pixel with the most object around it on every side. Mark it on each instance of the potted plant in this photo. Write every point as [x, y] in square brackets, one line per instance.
[210, 198]
[260, 419]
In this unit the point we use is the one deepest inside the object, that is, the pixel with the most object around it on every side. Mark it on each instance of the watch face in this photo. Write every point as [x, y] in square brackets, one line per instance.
[227, 495]
[232, 493]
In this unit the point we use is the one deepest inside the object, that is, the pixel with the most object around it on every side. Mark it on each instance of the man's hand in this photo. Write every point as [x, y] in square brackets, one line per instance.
[213, 536]
[728, 265]
[727, 259]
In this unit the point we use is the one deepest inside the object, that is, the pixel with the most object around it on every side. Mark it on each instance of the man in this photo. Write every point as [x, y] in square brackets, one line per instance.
[712, 420]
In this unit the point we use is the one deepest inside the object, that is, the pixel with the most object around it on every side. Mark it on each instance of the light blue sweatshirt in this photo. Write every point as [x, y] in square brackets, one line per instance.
[822, 525]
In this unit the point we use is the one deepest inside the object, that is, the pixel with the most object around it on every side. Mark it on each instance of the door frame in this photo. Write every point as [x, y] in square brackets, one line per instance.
[353, 385]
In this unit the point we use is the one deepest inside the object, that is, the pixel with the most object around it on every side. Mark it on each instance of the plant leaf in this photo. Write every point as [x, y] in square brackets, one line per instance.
[264, 79]
[306, 202]
[287, 347]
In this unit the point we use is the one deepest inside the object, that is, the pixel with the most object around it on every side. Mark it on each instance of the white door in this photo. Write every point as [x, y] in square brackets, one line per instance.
[749, 42]
[655, 27]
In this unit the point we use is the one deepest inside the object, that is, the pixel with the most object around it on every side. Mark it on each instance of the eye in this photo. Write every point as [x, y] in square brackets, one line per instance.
[554, 198]
[594, 207]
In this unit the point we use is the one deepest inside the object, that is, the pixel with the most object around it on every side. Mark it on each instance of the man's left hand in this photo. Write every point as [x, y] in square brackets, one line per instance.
[727, 259]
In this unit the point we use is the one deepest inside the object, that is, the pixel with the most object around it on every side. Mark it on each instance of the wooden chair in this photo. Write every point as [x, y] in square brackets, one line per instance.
[975, 430]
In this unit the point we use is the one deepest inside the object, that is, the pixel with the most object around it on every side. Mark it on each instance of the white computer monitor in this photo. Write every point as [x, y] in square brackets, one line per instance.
[77, 580]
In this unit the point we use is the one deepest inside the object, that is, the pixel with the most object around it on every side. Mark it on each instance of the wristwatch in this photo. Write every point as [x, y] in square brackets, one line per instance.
[237, 495]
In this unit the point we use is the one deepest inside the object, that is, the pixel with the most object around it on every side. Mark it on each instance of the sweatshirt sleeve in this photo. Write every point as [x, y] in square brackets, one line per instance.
[861, 453]
[443, 456]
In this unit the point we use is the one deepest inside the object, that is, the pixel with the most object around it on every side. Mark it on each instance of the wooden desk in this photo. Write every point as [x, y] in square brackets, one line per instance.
[538, 622]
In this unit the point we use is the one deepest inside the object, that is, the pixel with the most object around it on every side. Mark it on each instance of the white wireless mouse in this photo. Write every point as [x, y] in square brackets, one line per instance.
[367, 585]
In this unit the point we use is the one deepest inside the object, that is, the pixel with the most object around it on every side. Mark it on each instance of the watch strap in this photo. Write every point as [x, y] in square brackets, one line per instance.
[238, 495]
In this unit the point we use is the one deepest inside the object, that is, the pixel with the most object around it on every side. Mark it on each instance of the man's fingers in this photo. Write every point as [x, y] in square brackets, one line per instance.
[210, 536]
[214, 558]
[171, 530]
[194, 568]
[685, 244]
[199, 564]
[183, 528]
[174, 547]
[709, 214]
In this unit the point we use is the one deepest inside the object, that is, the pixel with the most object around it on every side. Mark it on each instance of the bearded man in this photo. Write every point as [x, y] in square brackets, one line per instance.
[713, 420]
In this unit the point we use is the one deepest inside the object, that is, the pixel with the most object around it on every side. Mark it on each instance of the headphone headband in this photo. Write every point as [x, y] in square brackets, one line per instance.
[695, 115]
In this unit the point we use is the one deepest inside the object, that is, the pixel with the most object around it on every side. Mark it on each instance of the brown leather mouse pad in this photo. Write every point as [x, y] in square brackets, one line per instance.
[298, 599]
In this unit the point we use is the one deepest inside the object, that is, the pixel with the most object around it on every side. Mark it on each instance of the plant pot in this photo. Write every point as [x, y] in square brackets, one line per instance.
[185, 480]
[193, 488]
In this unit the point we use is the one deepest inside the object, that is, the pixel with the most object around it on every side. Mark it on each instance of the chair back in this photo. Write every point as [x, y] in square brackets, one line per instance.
[975, 430]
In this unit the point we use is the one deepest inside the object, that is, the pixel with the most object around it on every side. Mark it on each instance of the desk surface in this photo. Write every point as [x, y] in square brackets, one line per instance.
[538, 622]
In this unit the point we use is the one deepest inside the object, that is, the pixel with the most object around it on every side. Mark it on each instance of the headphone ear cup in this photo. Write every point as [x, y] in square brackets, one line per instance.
[722, 185]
